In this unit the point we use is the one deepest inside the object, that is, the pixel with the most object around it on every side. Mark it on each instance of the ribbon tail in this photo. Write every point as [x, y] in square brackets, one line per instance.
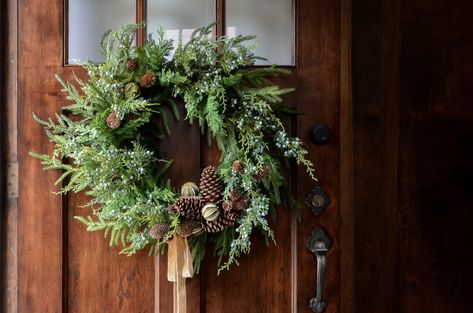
[187, 268]
[172, 260]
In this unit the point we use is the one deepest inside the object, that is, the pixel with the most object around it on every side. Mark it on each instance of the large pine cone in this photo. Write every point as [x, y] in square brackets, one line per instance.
[225, 220]
[188, 207]
[210, 185]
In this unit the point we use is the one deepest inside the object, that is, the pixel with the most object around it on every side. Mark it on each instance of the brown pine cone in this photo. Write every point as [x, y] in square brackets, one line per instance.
[158, 231]
[228, 205]
[132, 64]
[224, 220]
[188, 207]
[189, 227]
[263, 172]
[148, 80]
[241, 204]
[237, 166]
[235, 195]
[210, 185]
[113, 120]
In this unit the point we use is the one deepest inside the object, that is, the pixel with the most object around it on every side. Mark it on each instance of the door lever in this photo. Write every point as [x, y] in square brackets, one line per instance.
[319, 243]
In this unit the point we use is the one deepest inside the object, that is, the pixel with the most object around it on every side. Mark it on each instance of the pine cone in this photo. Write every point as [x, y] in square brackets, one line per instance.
[225, 220]
[132, 64]
[235, 195]
[148, 80]
[188, 207]
[241, 204]
[189, 227]
[158, 231]
[237, 166]
[210, 185]
[113, 120]
[263, 172]
[228, 205]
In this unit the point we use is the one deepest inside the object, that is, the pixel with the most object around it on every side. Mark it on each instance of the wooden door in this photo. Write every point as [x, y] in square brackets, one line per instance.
[64, 269]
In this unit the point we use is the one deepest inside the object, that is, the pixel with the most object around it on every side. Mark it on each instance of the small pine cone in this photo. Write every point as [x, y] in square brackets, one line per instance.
[188, 207]
[132, 64]
[228, 205]
[242, 204]
[225, 220]
[113, 120]
[188, 228]
[148, 80]
[210, 185]
[158, 231]
[263, 172]
[237, 166]
[235, 195]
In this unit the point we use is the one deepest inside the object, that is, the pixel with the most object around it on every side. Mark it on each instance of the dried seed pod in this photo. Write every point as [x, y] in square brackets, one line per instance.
[132, 90]
[210, 212]
[189, 189]
[148, 80]
[158, 231]
[113, 120]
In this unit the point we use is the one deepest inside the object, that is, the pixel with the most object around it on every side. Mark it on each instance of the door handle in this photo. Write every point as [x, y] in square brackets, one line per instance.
[319, 243]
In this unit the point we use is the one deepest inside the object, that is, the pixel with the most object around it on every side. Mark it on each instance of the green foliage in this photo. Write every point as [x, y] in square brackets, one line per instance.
[122, 169]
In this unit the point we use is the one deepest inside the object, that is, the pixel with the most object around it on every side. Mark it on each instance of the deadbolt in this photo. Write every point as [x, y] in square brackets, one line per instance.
[320, 134]
[317, 200]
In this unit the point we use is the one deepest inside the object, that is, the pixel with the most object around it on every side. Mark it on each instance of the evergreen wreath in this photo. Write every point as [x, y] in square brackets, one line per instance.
[110, 137]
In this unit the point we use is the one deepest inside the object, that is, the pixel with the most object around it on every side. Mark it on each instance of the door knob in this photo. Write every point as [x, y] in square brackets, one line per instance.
[319, 243]
[317, 200]
[320, 134]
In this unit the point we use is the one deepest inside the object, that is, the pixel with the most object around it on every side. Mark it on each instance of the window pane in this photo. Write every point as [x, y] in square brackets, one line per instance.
[271, 20]
[89, 19]
[179, 18]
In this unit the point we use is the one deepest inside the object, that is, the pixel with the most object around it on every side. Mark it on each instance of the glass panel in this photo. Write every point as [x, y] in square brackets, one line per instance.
[179, 18]
[89, 19]
[271, 20]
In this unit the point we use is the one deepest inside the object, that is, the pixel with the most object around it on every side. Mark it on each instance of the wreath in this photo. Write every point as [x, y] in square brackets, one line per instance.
[109, 134]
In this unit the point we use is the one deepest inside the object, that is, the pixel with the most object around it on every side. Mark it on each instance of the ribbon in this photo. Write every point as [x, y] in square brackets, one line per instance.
[179, 268]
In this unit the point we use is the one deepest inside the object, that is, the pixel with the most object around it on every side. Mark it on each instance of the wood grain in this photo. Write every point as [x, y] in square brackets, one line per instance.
[39, 211]
[318, 98]
[376, 89]
[413, 126]
[436, 137]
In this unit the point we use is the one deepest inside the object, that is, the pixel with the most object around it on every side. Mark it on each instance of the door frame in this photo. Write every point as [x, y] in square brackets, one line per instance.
[346, 166]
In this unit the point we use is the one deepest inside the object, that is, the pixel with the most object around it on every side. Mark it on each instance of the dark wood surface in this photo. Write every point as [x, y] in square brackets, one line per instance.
[64, 269]
[413, 135]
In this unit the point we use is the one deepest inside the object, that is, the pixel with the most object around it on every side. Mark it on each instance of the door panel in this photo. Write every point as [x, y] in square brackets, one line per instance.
[65, 269]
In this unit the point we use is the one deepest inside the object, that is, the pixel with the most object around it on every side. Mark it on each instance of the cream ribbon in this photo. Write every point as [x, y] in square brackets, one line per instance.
[179, 268]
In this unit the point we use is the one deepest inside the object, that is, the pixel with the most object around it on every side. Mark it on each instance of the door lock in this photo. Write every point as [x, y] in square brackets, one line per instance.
[320, 134]
[317, 200]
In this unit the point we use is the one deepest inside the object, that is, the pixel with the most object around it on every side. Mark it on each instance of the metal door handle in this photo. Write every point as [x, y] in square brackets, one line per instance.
[319, 243]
